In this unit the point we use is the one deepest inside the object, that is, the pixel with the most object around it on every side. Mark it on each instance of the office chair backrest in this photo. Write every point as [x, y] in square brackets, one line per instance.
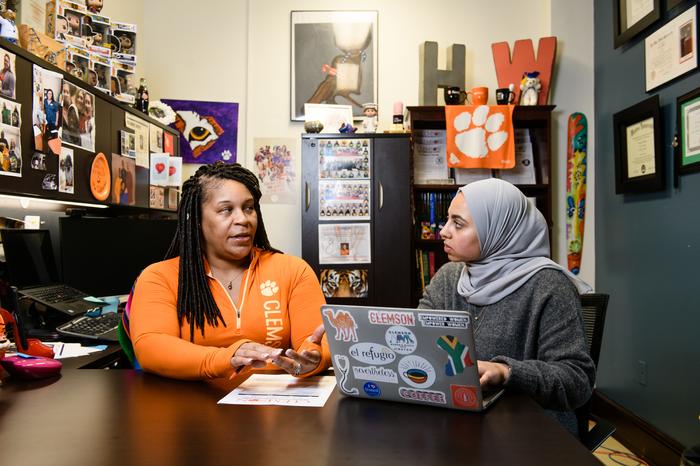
[593, 308]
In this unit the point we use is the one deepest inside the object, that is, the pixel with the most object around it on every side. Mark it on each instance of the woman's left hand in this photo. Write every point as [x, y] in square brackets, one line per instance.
[306, 361]
[493, 374]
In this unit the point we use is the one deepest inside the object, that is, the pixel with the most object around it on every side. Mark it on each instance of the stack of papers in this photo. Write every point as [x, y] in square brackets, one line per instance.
[72, 350]
[429, 159]
[524, 170]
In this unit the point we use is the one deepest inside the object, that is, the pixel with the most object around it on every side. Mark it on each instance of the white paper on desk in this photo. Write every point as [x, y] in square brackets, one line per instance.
[72, 350]
[281, 390]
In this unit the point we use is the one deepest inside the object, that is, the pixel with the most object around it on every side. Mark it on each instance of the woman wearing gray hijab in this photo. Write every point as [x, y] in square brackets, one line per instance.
[529, 333]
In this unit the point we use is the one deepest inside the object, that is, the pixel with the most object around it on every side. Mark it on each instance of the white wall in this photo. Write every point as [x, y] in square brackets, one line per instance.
[239, 51]
[573, 92]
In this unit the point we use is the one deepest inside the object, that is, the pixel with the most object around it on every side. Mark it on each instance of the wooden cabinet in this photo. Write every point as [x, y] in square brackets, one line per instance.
[537, 119]
[387, 274]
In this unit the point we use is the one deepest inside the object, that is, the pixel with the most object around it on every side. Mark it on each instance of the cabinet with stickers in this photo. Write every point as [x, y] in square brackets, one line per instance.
[356, 216]
[431, 198]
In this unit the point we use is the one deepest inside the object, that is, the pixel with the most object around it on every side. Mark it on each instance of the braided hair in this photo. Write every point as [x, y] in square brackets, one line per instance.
[195, 302]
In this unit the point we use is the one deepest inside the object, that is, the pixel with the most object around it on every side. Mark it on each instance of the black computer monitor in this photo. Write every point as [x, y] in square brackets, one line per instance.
[103, 256]
[29, 257]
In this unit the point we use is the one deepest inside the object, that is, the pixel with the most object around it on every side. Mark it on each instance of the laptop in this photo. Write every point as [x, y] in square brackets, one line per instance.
[418, 356]
[31, 267]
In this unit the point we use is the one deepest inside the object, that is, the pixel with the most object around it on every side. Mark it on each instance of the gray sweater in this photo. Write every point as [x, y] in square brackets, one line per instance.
[537, 331]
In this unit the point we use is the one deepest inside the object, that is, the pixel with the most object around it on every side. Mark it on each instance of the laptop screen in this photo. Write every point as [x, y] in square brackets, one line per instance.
[29, 257]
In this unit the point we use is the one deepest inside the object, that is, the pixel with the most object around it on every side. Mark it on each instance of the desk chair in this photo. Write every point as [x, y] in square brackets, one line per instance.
[124, 333]
[593, 308]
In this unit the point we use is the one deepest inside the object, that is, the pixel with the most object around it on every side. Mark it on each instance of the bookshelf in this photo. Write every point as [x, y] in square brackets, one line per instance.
[429, 253]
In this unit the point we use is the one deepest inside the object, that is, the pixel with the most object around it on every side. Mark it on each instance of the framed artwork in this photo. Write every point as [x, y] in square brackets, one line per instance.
[630, 17]
[333, 59]
[687, 153]
[672, 50]
[639, 164]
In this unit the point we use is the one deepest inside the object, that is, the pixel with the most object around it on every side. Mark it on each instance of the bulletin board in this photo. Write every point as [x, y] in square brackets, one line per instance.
[109, 120]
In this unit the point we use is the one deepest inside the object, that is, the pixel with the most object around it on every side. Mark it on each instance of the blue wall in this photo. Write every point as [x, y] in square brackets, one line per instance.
[647, 251]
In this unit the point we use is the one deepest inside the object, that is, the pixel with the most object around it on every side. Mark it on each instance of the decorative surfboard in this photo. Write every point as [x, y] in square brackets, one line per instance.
[576, 163]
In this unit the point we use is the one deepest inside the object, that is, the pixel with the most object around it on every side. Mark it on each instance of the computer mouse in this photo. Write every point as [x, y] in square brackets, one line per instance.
[27, 367]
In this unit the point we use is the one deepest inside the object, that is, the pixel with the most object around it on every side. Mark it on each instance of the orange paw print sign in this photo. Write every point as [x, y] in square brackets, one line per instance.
[480, 136]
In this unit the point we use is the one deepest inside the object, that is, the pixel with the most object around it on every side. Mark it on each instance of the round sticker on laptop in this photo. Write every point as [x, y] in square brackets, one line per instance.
[416, 371]
[401, 339]
[372, 389]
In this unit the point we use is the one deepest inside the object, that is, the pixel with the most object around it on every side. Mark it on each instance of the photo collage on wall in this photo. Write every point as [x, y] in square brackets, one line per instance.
[10, 141]
[274, 167]
[344, 194]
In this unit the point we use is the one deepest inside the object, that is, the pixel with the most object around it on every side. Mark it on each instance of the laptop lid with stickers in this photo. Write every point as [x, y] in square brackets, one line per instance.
[419, 356]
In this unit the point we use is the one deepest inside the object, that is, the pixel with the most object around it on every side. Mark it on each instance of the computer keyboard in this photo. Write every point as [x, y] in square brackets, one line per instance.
[103, 326]
[57, 294]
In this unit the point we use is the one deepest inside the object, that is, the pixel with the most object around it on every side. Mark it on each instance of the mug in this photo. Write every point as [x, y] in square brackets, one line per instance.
[454, 95]
[504, 96]
[480, 95]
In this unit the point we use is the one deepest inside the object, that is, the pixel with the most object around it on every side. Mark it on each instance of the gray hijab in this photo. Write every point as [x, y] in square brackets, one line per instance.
[514, 243]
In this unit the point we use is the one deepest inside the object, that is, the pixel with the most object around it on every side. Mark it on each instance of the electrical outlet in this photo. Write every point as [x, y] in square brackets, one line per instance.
[642, 372]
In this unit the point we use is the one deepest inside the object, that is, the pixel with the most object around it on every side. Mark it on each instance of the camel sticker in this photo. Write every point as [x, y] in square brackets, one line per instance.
[343, 323]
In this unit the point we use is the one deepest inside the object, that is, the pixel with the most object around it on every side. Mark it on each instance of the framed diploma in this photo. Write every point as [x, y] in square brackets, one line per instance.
[672, 50]
[687, 153]
[630, 17]
[639, 162]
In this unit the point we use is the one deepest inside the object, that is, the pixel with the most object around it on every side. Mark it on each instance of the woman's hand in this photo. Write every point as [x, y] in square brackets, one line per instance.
[306, 361]
[253, 355]
[493, 374]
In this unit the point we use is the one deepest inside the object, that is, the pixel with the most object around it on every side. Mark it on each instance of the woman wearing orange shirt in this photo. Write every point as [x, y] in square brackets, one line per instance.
[225, 300]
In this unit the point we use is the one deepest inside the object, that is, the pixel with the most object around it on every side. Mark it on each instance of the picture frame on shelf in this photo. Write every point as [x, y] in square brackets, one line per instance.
[333, 59]
[671, 51]
[687, 151]
[639, 160]
[630, 17]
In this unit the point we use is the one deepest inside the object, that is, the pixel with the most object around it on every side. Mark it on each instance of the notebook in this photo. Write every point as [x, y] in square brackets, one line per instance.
[31, 267]
[409, 355]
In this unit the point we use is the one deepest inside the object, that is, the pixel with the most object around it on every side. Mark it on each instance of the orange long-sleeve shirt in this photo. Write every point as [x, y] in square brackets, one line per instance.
[279, 304]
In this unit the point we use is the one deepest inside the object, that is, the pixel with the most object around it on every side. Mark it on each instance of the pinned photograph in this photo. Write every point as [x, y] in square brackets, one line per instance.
[127, 143]
[344, 283]
[49, 183]
[66, 175]
[7, 75]
[123, 180]
[343, 158]
[344, 243]
[10, 141]
[344, 200]
[156, 139]
[168, 143]
[46, 110]
[157, 197]
[38, 161]
[173, 195]
[140, 129]
[78, 113]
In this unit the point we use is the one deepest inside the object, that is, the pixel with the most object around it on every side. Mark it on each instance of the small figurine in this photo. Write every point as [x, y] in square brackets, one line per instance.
[530, 88]
[141, 103]
[347, 128]
[94, 6]
[369, 125]
[8, 29]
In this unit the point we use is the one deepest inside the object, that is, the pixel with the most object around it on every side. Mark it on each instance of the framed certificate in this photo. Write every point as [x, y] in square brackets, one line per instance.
[630, 17]
[639, 164]
[672, 50]
[687, 153]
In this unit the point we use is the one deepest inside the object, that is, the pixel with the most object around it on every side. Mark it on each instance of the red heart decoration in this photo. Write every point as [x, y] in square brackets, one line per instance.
[160, 167]
[172, 171]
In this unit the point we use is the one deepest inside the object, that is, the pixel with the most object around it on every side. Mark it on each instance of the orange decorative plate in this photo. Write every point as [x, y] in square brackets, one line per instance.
[100, 178]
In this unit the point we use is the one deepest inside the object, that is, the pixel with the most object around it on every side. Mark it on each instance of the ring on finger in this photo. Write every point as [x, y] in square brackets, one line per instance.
[297, 368]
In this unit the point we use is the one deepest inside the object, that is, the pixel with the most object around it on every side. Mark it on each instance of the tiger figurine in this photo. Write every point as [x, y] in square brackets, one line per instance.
[344, 283]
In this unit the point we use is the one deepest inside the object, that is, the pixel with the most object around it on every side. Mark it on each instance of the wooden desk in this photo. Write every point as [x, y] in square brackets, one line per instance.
[121, 417]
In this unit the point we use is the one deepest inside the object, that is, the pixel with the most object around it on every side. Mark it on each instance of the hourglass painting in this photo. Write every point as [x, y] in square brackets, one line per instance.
[334, 59]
